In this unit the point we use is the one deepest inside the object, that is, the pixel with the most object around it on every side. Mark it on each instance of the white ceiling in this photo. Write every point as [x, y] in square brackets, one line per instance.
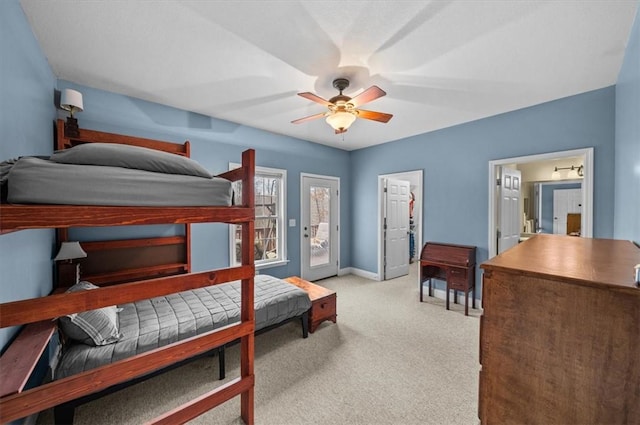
[441, 63]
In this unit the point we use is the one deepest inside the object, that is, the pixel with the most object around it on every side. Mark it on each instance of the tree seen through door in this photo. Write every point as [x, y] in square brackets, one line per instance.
[319, 207]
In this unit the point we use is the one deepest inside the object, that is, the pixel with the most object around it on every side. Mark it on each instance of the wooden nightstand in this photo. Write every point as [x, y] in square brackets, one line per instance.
[323, 302]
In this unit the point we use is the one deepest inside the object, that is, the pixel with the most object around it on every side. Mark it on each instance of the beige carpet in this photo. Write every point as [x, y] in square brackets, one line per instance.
[389, 360]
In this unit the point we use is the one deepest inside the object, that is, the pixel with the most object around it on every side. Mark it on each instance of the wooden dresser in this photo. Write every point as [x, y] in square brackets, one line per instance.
[560, 333]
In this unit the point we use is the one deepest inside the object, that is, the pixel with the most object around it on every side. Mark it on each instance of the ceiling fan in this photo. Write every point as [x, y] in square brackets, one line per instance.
[343, 110]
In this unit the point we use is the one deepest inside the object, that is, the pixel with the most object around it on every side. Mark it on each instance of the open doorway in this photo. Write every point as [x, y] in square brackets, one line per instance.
[552, 168]
[415, 238]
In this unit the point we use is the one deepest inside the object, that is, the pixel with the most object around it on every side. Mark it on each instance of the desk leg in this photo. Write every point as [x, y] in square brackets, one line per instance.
[455, 296]
[421, 285]
[447, 297]
[473, 297]
[430, 293]
[466, 303]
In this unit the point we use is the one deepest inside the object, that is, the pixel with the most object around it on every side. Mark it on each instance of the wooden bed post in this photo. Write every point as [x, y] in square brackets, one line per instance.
[247, 306]
[187, 226]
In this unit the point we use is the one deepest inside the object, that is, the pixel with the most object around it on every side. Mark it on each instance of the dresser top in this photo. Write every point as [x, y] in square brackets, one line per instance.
[607, 263]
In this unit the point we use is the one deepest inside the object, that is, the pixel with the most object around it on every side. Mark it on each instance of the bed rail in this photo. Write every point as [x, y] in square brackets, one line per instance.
[20, 359]
[20, 217]
[49, 395]
[62, 141]
[52, 306]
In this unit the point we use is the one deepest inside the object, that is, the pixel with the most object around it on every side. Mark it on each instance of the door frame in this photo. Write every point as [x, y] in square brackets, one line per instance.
[414, 177]
[587, 189]
[302, 197]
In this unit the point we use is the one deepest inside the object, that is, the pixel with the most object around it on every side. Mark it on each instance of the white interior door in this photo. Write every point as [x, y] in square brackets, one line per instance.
[396, 228]
[509, 211]
[565, 201]
[320, 215]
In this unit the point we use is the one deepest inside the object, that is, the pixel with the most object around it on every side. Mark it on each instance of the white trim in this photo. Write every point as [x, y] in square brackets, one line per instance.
[365, 274]
[417, 209]
[441, 294]
[272, 264]
[345, 271]
[587, 189]
[302, 194]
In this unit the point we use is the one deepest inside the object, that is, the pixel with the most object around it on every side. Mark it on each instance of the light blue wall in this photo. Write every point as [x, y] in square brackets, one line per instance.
[455, 163]
[27, 87]
[627, 156]
[215, 143]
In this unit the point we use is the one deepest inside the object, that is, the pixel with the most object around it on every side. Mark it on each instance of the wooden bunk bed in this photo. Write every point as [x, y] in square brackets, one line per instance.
[38, 314]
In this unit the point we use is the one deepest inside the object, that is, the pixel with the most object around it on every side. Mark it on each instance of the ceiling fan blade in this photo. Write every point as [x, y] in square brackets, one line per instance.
[373, 115]
[315, 98]
[309, 118]
[372, 93]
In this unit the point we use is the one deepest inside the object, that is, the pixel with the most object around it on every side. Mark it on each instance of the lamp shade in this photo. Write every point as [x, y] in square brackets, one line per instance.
[71, 100]
[556, 174]
[70, 251]
[573, 173]
[341, 120]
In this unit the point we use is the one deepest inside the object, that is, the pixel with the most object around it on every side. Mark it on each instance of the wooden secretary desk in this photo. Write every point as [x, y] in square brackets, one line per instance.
[456, 264]
[560, 333]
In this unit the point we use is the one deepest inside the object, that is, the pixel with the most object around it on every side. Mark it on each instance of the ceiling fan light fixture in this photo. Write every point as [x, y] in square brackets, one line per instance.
[341, 120]
[343, 110]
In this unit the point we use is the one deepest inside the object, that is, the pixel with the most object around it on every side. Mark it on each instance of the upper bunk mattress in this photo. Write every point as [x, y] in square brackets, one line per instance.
[148, 324]
[33, 180]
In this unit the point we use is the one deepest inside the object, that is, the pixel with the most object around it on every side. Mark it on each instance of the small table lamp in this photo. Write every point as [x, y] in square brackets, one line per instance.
[68, 270]
[71, 100]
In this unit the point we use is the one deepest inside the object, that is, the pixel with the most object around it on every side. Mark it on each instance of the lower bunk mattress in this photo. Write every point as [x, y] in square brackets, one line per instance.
[148, 324]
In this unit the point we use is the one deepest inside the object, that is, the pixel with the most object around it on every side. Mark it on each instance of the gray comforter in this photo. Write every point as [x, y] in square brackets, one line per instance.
[32, 180]
[148, 324]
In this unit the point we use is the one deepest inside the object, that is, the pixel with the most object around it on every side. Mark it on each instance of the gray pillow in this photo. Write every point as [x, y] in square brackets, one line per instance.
[93, 327]
[126, 156]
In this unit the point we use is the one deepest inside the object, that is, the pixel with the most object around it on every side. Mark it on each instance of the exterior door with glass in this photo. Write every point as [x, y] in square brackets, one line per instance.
[320, 215]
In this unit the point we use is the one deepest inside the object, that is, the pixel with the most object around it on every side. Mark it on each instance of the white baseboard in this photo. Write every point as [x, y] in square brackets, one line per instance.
[345, 271]
[363, 273]
[442, 294]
